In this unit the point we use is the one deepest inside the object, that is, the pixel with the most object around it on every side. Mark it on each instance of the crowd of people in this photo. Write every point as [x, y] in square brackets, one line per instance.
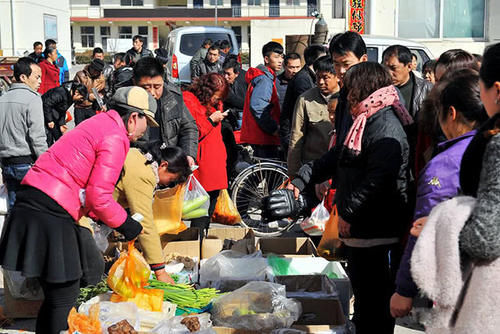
[383, 143]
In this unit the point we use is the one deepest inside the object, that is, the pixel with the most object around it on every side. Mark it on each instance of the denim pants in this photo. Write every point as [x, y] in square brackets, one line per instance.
[12, 177]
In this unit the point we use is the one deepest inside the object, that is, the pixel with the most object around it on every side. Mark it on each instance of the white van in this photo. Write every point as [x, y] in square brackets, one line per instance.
[377, 44]
[182, 43]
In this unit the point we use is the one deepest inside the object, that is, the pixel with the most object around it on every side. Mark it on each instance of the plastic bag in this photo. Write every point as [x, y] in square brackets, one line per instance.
[22, 287]
[331, 247]
[101, 233]
[174, 325]
[281, 266]
[256, 306]
[4, 200]
[315, 224]
[196, 200]
[81, 323]
[167, 210]
[225, 210]
[129, 273]
[228, 266]
[145, 299]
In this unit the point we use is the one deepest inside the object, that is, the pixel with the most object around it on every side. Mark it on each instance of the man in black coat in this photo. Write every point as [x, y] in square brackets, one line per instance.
[56, 102]
[123, 75]
[37, 54]
[304, 79]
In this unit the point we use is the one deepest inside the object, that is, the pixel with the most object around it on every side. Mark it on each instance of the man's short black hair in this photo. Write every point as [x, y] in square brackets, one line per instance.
[120, 56]
[148, 67]
[37, 43]
[289, 56]
[313, 52]
[97, 50]
[324, 64]
[138, 37]
[349, 41]
[271, 47]
[224, 44]
[231, 61]
[213, 48]
[399, 51]
[50, 42]
[23, 66]
[207, 41]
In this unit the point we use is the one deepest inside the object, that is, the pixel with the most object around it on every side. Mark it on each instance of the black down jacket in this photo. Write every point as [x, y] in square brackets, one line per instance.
[55, 103]
[372, 187]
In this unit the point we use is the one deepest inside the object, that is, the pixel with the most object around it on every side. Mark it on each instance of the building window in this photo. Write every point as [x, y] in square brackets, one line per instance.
[132, 2]
[338, 9]
[198, 3]
[125, 32]
[254, 2]
[105, 34]
[459, 19]
[50, 26]
[95, 2]
[293, 2]
[219, 2]
[143, 31]
[87, 34]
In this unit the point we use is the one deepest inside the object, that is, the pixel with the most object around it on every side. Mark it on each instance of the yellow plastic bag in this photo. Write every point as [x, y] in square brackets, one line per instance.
[331, 247]
[225, 210]
[167, 210]
[146, 299]
[81, 323]
[129, 273]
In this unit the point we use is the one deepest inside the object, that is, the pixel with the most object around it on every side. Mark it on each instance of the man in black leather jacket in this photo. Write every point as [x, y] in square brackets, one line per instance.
[177, 126]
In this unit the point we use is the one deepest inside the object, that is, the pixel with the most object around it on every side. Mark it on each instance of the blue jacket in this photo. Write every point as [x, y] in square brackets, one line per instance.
[438, 181]
[63, 68]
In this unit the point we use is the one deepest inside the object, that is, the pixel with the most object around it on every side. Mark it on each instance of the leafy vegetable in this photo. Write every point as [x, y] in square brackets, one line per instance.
[184, 295]
[91, 291]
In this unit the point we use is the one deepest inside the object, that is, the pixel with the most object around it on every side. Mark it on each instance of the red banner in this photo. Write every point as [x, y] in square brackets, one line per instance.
[155, 37]
[357, 16]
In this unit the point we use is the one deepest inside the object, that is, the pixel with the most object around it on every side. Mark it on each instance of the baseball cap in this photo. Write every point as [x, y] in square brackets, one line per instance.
[136, 99]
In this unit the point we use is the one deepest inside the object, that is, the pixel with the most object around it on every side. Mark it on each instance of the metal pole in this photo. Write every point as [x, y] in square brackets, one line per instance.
[13, 27]
[216, 1]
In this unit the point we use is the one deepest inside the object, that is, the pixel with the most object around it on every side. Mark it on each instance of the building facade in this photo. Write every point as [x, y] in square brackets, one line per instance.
[438, 24]
[25, 22]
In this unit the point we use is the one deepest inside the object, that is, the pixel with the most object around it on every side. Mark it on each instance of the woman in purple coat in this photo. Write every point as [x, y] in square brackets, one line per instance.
[461, 112]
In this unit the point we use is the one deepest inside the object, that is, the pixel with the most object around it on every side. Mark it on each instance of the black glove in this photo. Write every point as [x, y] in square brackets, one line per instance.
[281, 204]
[130, 229]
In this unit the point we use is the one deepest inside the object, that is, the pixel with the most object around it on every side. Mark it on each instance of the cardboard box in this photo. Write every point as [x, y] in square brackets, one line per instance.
[20, 308]
[215, 240]
[295, 247]
[318, 296]
[186, 243]
[227, 330]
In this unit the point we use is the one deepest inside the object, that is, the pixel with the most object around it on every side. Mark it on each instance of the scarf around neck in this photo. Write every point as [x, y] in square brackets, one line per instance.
[378, 100]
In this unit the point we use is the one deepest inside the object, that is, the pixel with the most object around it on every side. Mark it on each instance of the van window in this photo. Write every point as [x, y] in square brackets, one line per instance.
[372, 53]
[189, 43]
[422, 58]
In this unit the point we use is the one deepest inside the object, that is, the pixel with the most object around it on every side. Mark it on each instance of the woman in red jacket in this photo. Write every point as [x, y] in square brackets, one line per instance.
[204, 100]
[50, 71]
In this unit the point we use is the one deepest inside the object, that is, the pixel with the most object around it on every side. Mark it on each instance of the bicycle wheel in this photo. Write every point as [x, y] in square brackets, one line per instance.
[248, 190]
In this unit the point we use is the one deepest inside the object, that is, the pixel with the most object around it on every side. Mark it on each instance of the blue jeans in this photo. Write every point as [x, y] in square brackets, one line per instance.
[12, 177]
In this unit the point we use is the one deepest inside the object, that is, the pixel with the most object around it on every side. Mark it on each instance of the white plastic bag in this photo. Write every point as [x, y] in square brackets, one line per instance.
[196, 200]
[257, 306]
[220, 271]
[101, 233]
[22, 287]
[4, 200]
[174, 326]
[315, 224]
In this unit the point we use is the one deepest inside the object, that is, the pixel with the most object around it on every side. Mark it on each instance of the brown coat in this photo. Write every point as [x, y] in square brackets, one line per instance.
[99, 83]
[311, 129]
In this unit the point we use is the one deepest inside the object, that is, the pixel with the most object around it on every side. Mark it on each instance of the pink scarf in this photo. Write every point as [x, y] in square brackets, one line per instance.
[384, 97]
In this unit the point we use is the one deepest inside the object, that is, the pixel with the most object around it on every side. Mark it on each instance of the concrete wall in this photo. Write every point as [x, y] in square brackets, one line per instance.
[29, 25]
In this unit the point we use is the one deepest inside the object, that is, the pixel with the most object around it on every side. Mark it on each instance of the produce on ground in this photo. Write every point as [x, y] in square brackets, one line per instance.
[192, 324]
[91, 291]
[146, 299]
[188, 262]
[184, 295]
[81, 323]
[122, 327]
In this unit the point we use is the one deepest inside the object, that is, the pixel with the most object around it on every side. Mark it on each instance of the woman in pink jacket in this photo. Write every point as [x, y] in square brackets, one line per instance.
[76, 177]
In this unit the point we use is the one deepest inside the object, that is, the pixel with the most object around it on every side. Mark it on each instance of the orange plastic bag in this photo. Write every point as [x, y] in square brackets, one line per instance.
[81, 323]
[331, 247]
[225, 210]
[167, 210]
[146, 299]
[129, 273]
